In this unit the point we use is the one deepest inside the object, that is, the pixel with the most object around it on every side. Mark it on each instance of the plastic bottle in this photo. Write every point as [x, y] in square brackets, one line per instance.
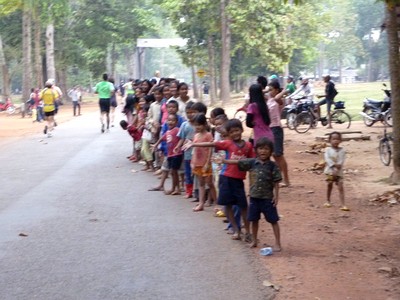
[266, 251]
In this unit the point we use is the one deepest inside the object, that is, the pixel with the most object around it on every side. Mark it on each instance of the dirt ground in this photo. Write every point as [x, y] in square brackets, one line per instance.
[327, 253]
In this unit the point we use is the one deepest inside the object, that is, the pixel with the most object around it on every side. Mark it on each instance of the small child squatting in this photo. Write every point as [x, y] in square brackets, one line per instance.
[264, 188]
[334, 160]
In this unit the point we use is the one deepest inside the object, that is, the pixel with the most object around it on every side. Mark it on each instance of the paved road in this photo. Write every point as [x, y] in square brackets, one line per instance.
[95, 232]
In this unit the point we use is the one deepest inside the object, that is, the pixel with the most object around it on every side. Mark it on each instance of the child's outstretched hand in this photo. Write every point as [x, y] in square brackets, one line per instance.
[187, 145]
[176, 149]
[275, 201]
[218, 159]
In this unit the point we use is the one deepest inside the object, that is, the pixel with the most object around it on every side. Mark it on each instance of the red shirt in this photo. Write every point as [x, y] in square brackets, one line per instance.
[172, 139]
[233, 151]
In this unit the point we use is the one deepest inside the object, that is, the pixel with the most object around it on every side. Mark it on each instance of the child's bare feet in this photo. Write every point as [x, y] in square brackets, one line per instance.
[277, 248]
[168, 192]
[253, 244]
[174, 193]
[198, 207]
[236, 237]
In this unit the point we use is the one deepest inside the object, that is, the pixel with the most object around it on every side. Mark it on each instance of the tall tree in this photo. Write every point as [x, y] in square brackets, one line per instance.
[392, 25]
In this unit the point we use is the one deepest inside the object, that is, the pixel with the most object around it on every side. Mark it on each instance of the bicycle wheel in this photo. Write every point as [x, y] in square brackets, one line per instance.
[388, 119]
[303, 122]
[340, 120]
[385, 152]
[290, 120]
[240, 115]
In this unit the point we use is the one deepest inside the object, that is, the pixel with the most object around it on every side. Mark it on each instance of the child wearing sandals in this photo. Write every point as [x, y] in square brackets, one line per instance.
[201, 161]
[334, 160]
[231, 186]
[174, 158]
[264, 188]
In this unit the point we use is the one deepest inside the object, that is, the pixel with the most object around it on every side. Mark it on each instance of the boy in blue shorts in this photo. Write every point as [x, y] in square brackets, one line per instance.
[264, 188]
[231, 186]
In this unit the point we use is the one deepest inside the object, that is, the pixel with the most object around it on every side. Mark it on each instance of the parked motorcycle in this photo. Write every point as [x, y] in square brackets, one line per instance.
[291, 110]
[7, 106]
[377, 110]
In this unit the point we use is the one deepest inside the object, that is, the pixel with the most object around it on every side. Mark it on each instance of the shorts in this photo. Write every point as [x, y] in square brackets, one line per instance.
[199, 171]
[49, 113]
[174, 162]
[334, 178]
[114, 103]
[138, 145]
[104, 105]
[262, 206]
[328, 103]
[231, 192]
[278, 140]
[165, 165]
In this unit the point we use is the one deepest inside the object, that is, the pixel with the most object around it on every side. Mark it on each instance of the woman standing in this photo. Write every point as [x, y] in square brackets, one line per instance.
[275, 104]
[258, 114]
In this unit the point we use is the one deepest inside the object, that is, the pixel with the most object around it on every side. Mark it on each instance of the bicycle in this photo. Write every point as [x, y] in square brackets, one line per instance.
[309, 118]
[241, 113]
[385, 149]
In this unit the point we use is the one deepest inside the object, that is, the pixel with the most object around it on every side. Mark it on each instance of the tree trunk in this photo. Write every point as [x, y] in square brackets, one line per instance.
[4, 70]
[194, 79]
[225, 53]
[27, 54]
[113, 59]
[211, 68]
[394, 68]
[50, 62]
[39, 82]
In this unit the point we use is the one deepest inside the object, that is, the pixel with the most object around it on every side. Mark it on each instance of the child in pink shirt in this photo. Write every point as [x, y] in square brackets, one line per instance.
[201, 161]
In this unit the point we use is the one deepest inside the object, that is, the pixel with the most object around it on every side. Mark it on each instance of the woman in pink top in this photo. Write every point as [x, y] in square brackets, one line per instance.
[275, 105]
[258, 115]
[201, 161]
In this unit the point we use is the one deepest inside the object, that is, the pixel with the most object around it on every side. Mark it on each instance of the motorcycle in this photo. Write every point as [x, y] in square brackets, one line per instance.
[376, 110]
[7, 106]
[291, 110]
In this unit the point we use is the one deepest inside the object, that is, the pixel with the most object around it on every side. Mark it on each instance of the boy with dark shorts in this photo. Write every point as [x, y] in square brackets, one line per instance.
[231, 186]
[264, 188]
[174, 158]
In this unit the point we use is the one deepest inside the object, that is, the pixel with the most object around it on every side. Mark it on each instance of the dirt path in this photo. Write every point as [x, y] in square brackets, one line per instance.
[328, 254]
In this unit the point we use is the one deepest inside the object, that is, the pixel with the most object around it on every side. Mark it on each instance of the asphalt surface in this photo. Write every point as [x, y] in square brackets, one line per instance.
[77, 223]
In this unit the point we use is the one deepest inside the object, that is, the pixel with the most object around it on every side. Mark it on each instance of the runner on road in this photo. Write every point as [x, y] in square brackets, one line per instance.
[105, 89]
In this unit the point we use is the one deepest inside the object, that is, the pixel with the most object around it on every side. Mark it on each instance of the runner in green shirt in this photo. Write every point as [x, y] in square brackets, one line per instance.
[105, 89]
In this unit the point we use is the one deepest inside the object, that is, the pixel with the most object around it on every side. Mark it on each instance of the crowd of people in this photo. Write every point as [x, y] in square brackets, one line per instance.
[206, 157]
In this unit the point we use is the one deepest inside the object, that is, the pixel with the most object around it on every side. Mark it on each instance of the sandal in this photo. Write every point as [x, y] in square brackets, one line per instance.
[327, 204]
[345, 208]
[236, 237]
[156, 189]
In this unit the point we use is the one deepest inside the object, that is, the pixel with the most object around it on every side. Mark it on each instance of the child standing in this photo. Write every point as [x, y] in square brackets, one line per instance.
[264, 188]
[334, 160]
[231, 186]
[186, 132]
[201, 161]
[174, 158]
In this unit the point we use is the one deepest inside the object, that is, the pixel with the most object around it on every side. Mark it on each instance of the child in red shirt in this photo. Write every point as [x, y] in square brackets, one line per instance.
[231, 186]
[174, 158]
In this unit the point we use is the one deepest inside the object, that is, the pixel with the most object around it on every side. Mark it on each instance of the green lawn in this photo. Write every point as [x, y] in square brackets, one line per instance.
[354, 94]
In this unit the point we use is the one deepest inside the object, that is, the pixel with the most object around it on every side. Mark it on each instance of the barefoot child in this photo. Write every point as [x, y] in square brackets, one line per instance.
[334, 159]
[231, 186]
[264, 188]
[174, 159]
[186, 132]
[201, 161]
